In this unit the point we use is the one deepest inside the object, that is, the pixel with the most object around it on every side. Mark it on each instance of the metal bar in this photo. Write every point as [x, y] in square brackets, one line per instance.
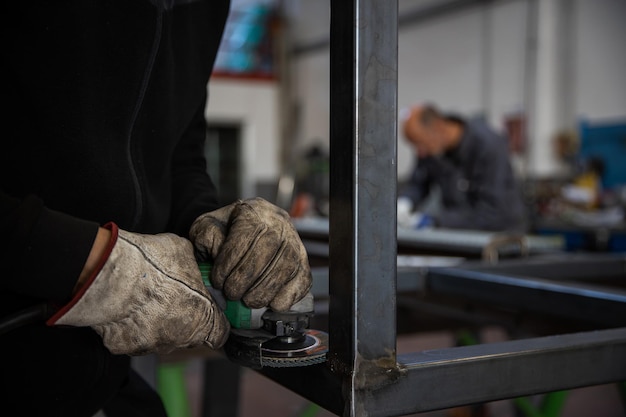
[604, 307]
[600, 306]
[413, 16]
[572, 267]
[442, 241]
[363, 169]
[364, 376]
[450, 377]
[439, 9]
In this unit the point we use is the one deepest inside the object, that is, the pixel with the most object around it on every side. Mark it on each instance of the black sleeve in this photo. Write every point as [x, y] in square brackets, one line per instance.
[193, 192]
[43, 250]
[492, 199]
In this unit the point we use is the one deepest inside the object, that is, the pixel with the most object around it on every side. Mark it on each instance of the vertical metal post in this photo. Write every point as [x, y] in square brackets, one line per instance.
[364, 376]
[363, 171]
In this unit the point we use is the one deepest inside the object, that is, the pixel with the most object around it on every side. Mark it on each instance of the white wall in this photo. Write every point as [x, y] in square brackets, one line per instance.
[473, 61]
[504, 67]
[441, 53]
[600, 59]
[253, 106]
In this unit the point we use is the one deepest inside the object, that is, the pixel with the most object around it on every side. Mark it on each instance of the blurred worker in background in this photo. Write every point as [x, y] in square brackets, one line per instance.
[106, 206]
[470, 165]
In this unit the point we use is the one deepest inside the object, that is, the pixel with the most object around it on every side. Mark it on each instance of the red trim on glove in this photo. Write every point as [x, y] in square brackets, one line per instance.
[114, 232]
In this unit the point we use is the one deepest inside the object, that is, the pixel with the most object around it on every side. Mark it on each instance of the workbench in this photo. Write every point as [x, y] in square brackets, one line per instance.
[471, 244]
[585, 238]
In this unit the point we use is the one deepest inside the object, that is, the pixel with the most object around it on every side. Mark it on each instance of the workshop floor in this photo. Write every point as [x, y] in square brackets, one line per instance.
[261, 397]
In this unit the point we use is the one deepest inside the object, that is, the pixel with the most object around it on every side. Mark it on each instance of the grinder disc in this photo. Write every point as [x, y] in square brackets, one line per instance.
[309, 349]
[258, 348]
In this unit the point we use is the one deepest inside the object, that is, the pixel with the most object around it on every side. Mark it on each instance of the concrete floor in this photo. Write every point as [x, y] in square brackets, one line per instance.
[260, 397]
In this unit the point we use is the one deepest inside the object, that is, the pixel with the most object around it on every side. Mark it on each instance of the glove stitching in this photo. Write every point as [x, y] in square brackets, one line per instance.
[156, 266]
[134, 313]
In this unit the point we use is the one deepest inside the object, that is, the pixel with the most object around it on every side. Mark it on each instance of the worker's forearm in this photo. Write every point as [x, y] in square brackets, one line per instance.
[98, 250]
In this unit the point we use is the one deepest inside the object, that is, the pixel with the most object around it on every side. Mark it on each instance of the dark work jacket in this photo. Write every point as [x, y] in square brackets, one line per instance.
[105, 122]
[477, 184]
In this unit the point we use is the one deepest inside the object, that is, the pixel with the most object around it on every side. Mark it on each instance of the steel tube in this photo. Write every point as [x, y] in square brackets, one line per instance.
[363, 169]
[604, 307]
[466, 375]
[362, 228]
[450, 377]
[364, 376]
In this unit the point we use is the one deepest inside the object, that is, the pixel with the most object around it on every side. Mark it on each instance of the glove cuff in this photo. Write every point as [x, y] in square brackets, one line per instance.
[79, 294]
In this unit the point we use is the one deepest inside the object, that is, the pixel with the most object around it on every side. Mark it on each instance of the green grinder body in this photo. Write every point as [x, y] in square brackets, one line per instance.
[239, 315]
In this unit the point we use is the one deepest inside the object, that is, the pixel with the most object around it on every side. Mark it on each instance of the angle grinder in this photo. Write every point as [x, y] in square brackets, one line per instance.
[261, 337]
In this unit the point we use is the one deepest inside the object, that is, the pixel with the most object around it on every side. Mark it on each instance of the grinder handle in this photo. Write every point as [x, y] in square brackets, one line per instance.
[241, 316]
[238, 314]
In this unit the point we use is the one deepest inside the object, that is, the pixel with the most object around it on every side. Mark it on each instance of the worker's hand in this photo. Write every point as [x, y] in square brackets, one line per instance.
[146, 297]
[409, 219]
[257, 254]
[421, 220]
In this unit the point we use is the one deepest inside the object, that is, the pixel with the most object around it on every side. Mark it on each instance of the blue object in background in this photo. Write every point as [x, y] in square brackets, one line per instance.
[247, 42]
[606, 140]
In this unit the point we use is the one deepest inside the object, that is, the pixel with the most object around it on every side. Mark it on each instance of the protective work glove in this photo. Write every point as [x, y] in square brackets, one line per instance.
[147, 297]
[257, 254]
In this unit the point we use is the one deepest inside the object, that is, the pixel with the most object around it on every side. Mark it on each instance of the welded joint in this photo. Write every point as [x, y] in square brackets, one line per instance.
[368, 377]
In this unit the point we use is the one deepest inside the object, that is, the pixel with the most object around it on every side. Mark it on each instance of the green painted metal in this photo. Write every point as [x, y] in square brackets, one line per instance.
[173, 389]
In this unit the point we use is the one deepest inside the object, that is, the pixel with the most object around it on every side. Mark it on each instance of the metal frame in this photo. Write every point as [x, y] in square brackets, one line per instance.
[364, 376]
[467, 243]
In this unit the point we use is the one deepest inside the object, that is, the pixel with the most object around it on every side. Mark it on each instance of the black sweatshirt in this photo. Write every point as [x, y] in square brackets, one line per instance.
[478, 188]
[105, 122]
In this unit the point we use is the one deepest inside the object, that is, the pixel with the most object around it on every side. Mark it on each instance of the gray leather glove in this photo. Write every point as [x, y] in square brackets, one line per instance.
[257, 254]
[147, 297]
